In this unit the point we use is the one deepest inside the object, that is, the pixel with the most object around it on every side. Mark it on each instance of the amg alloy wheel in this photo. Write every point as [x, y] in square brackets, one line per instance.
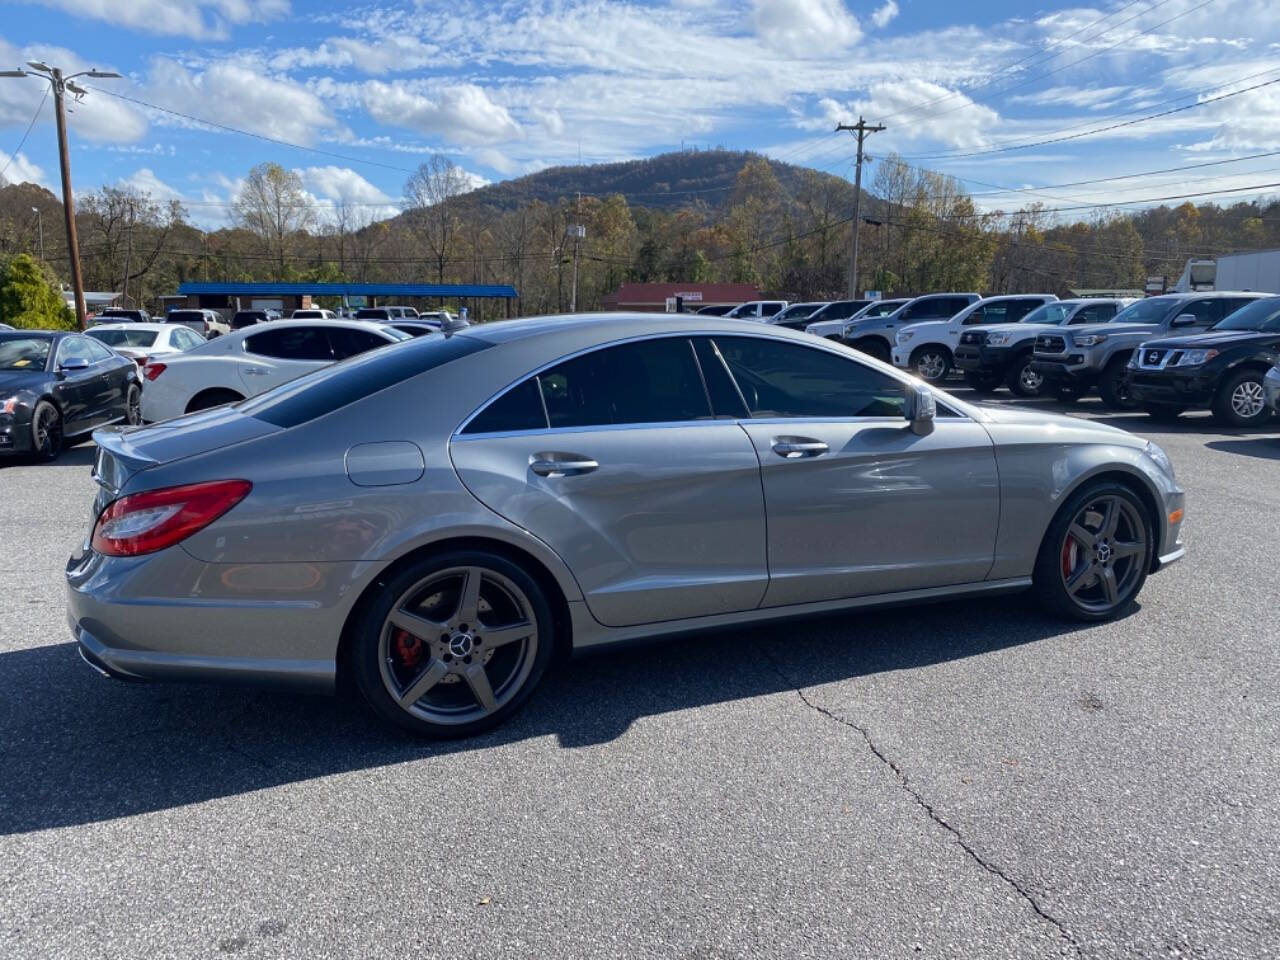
[1096, 554]
[459, 644]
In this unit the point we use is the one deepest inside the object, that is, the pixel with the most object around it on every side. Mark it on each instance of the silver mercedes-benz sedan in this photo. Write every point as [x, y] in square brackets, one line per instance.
[438, 519]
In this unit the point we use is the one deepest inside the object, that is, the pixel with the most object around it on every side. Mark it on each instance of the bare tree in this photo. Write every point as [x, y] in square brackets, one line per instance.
[272, 205]
[433, 191]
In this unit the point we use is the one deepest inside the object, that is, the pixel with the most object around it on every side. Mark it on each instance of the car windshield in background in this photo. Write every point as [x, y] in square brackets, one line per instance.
[372, 313]
[1261, 315]
[1145, 311]
[23, 353]
[315, 394]
[883, 309]
[124, 338]
[1053, 313]
[797, 311]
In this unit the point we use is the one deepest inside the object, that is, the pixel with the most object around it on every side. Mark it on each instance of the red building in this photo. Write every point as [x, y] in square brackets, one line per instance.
[652, 297]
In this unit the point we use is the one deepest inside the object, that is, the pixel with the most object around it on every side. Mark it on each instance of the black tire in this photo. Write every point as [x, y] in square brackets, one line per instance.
[981, 382]
[933, 358]
[1050, 573]
[1163, 412]
[373, 672]
[1240, 400]
[208, 399]
[1113, 387]
[1021, 380]
[133, 405]
[47, 438]
[873, 347]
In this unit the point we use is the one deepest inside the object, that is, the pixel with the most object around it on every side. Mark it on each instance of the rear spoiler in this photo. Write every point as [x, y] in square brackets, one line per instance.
[117, 459]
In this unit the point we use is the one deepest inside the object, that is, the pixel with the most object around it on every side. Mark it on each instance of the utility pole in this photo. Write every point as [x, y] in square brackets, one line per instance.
[860, 129]
[61, 84]
[578, 232]
[39, 230]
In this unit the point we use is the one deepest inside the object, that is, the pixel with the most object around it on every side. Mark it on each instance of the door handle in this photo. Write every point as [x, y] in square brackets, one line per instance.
[255, 371]
[793, 448]
[561, 464]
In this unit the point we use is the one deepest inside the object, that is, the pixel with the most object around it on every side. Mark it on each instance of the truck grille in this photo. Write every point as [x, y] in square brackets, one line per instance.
[1051, 343]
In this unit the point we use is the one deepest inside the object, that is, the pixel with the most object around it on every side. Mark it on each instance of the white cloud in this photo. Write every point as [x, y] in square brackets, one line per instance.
[885, 13]
[341, 184]
[19, 169]
[239, 96]
[955, 121]
[200, 19]
[145, 180]
[460, 114]
[806, 28]
[1090, 97]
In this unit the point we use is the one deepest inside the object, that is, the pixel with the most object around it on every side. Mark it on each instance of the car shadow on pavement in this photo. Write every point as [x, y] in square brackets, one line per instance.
[81, 455]
[76, 748]
[1265, 448]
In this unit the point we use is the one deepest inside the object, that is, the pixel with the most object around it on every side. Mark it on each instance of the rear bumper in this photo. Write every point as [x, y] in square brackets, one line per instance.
[171, 617]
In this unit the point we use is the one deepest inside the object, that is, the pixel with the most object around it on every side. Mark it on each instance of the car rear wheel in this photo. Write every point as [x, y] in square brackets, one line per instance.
[1241, 401]
[47, 438]
[931, 363]
[982, 382]
[454, 644]
[133, 405]
[1096, 553]
[1024, 381]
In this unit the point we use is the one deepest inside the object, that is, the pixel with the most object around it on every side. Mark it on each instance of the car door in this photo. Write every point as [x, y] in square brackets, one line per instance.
[111, 399]
[1196, 316]
[856, 503]
[280, 354]
[77, 390]
[614, 459]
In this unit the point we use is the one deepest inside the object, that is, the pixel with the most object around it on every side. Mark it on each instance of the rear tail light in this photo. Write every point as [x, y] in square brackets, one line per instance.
[153, 370]
[146, 522]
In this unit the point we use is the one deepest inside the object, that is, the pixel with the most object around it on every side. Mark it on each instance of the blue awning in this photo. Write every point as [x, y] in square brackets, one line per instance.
[194, 289]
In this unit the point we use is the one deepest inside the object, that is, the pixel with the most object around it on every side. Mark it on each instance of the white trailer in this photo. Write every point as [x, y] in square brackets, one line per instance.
[1258, 270]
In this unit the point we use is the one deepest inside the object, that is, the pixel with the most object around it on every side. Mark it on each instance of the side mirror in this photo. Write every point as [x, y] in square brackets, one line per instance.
[1185, 320]
[921, 409]
[72, 364]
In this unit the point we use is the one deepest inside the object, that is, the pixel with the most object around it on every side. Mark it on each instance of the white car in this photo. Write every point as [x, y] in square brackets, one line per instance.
[928, 349]
[313, 313]
[757, 309]
[247, 362]
[142, 341]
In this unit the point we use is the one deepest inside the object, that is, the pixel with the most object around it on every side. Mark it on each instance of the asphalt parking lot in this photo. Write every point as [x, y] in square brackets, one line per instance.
[963, 780]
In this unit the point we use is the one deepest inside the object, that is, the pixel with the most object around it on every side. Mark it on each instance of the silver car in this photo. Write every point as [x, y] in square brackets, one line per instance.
[438, 519]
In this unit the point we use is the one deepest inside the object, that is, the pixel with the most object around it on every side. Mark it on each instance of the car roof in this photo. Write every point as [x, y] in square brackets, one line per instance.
[38, 334]
[341, 322]
[619, 326]
[158, 327]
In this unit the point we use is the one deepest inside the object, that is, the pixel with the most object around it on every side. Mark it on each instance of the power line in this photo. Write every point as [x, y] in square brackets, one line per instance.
[34, 117]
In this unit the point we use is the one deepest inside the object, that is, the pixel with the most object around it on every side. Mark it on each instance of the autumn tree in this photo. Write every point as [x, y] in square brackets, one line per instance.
[273, 207]
[434, 191]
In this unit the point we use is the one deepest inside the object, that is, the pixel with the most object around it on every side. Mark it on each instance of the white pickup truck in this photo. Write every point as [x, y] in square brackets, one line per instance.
[928, 349]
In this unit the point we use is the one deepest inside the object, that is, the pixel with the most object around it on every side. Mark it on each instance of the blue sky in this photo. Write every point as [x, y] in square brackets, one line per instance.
[508, 88]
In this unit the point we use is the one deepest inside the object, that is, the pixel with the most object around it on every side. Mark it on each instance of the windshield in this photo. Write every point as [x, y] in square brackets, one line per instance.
[372, 313]
[882, 309]
[1054, 313]
[1145, 311]
[124, 338]
[1261, 315]
[24, 353]
[798, 310]
[185, 316]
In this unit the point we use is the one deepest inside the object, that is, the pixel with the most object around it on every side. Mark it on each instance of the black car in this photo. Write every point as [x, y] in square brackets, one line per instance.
[122, 315]
[1221, 368]
[56, 387]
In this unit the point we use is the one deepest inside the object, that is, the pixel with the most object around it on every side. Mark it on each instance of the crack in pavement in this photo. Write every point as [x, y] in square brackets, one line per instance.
[928, 808]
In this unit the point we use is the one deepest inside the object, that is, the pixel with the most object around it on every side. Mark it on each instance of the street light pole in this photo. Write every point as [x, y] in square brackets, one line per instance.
[61, 84]
[39, 230]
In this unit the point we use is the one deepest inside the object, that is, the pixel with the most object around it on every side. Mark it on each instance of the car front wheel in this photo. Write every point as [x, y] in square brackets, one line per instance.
[1241, 401]
[1096, 553]
[931, 364]
[454, 644]
[1024, 381]
[47, 437]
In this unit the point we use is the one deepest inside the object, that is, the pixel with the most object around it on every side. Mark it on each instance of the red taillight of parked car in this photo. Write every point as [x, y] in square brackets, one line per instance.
[153, 370]
[146, 522]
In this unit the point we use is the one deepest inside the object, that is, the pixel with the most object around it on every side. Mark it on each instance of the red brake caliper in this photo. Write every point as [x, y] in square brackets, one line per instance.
[408, 649]
[1070, 553]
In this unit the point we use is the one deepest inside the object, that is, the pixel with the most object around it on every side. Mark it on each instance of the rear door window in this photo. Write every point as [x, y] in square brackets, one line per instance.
[291, 343]
[347, 342]
[650, 381]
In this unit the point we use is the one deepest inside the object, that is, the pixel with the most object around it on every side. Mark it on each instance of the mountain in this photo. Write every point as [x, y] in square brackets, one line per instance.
[667, 181]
